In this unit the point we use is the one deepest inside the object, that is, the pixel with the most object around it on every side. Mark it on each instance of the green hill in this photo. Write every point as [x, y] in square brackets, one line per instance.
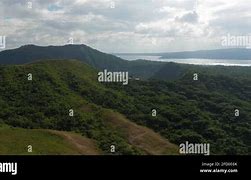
[195, 111]
[57, 87]
[174, 71]
[113, 114]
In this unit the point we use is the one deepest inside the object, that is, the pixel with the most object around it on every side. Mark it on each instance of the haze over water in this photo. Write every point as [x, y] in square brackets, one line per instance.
[223, 62]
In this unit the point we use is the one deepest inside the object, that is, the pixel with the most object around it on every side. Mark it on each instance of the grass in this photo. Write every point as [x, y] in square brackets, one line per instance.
[15, 141]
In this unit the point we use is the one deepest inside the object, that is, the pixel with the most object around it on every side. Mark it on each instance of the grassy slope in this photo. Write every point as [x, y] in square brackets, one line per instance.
[52, 142]
[44, 142]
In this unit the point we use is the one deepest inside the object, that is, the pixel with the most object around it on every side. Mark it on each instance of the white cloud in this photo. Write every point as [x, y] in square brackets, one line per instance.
[142, 25]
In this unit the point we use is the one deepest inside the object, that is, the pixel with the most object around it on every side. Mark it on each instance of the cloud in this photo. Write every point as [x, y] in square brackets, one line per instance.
[125, 25]
[190, 17]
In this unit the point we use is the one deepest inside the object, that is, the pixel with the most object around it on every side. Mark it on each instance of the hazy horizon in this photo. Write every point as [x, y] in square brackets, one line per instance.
[118, 53]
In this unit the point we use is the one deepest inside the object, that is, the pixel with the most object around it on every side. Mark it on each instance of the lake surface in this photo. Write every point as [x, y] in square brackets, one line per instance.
[224, 62]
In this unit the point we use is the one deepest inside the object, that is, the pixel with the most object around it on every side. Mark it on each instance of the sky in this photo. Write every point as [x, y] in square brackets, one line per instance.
[125, 26]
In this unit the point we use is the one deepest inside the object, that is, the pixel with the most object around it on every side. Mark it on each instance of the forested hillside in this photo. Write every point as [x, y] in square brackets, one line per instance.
[187, 110]
[59, 86]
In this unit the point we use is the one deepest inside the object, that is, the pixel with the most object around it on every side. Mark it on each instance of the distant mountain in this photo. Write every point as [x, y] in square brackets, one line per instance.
[142, 69]
[238, 53]
[30, 53]
[234, 53]
[83, 53]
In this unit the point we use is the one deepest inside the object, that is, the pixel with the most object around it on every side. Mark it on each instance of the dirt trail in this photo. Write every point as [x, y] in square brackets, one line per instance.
[84, 145]
[142, 137]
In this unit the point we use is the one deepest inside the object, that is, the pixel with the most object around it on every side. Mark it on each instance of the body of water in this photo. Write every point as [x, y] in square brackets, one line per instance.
[224, 62]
